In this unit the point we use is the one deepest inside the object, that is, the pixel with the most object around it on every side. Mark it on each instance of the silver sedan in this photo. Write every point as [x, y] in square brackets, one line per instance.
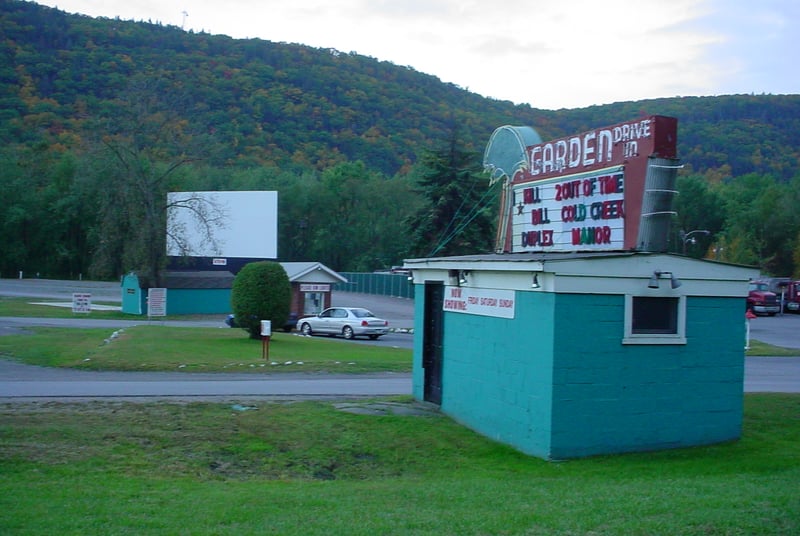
[348, 322]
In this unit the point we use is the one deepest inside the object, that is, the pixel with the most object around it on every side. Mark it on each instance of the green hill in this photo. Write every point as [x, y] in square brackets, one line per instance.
[86, 102]
[259, 102]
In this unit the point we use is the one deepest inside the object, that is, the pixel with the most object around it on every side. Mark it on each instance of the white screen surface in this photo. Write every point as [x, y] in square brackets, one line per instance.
[243, 224]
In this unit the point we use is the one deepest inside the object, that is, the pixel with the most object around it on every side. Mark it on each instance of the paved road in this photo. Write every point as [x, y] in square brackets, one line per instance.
[20, 382]
[780, 330]
[772, 375]
[101, 291]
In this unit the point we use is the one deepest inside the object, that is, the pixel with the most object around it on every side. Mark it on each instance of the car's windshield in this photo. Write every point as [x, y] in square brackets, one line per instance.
[762, 287]
[362, 313]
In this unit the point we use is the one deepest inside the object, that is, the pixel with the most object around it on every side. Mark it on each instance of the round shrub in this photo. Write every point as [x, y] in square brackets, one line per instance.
[261, 291]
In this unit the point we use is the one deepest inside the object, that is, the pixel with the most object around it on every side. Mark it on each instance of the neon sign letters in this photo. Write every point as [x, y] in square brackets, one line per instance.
[588, 149]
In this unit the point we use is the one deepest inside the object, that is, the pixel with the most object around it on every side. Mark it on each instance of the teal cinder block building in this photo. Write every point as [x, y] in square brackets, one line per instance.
[208, 291]
[190, 292]
[566, 355]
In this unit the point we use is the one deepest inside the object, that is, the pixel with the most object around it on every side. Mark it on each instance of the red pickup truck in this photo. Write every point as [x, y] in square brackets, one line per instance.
[761, 300]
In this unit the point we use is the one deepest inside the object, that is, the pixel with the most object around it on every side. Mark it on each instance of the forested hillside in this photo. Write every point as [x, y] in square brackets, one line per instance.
[99, 117]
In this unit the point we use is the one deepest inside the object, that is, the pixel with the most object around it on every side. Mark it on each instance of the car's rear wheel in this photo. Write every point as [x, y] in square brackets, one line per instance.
[347, 332]
[306, 329]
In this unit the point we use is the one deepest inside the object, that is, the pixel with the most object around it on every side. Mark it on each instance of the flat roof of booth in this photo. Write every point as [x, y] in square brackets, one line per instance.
[615, 263]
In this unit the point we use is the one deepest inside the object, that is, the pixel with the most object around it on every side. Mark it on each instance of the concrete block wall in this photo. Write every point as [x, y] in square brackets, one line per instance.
[497, 373]
[198, 301]
[610, 398]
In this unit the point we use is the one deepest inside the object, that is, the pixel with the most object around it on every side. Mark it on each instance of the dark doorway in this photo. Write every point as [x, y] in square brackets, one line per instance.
[432, 339]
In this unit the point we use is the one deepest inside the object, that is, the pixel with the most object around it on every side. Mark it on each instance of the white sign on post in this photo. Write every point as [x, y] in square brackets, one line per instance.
[266, 328]
[157, 302]
[266, 333]
[81, 302]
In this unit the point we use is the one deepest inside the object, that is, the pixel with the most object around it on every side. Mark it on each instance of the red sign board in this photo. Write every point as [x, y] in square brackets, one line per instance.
[585, 192]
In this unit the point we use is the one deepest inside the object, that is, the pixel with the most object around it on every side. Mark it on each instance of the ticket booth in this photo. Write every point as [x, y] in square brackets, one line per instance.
[565, 356]
[580, 335]
[312, 284]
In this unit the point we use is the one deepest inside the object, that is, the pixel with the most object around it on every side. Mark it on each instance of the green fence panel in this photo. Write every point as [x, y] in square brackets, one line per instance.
[395, 285]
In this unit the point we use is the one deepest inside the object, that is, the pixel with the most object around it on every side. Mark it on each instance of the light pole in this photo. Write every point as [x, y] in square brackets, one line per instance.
[687, 237]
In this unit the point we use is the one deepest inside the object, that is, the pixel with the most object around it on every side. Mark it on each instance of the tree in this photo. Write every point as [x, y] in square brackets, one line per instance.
[45, 212]
[796, 257]
[142, 147]
[760, 227]
[458, 218]
[341, 230]
[261, 291]
[698, 207]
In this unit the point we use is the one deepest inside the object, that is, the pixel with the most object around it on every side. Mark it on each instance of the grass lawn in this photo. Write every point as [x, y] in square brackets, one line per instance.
[160, 348]
[758, 348]
[257, 467]
[309, 468]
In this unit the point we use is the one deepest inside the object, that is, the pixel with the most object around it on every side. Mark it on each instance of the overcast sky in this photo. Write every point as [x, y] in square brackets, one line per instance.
[551, 55]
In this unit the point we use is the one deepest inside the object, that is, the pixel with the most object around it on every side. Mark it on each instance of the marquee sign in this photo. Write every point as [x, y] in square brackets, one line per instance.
[585, 192]
[586, 211]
